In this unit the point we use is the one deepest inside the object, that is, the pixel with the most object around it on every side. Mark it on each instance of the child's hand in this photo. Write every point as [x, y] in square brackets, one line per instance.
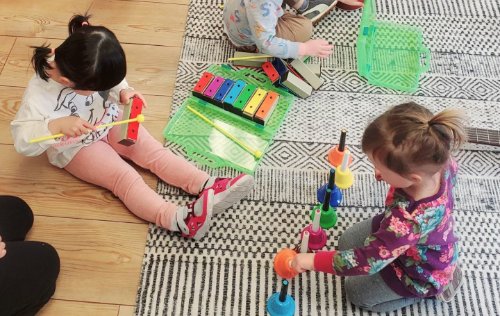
[2, 248]
[70, 126]
[127, 94]
[315, 48]
[355, 3]
[303, 262]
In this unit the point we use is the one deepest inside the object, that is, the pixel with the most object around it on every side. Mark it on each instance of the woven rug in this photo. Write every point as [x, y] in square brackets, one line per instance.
[229, 272]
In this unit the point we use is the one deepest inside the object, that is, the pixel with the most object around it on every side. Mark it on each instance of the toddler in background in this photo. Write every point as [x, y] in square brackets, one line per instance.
[262, 26]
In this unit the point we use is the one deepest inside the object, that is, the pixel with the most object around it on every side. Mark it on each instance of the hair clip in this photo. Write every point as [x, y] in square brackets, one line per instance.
[84, 23]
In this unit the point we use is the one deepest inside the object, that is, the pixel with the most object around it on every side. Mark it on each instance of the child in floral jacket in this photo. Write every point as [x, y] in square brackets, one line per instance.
[410, 251]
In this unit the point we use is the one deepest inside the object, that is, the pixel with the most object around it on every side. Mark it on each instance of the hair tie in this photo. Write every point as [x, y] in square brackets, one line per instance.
[84, 23]
[52, 56]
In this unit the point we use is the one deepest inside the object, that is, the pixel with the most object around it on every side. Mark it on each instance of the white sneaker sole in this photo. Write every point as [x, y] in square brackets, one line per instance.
[326, 10]
[208, 220]
[450, 291]
[234, 194]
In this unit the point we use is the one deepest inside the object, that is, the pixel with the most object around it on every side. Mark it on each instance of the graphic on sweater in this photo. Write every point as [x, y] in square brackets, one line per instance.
[70, 103]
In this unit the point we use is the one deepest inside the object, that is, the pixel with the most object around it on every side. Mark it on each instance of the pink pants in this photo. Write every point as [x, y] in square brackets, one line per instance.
[101, 164]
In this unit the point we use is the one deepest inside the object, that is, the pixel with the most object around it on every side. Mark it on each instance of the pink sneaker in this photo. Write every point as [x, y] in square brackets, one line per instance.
[199, 214]
[228, 191]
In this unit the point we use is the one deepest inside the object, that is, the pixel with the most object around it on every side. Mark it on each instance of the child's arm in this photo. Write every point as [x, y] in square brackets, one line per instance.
[262, 21]
[395, 236]
[122, 93]
[29, 124]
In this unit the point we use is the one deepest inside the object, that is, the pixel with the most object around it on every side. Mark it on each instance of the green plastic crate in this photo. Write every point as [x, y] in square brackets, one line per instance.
[389, 54]
[206, 145]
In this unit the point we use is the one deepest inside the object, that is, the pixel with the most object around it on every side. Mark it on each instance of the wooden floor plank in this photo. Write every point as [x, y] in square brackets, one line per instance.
[152, 69]
[126, 311]
[71, 308]
[152, 75]
[10, 101]
[6, 44]
[52, 191]
[183, 2]
[100, 242]
[27, 18]
[100, 261]
[136, 24]
[17, 70]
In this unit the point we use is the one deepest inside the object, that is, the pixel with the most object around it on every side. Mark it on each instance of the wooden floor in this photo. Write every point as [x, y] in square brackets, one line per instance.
[100, 243]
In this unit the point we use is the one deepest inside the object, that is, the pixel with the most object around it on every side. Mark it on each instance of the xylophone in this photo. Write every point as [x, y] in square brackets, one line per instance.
[205, 143]
[294, 75]
[129, 132]
[236, 96]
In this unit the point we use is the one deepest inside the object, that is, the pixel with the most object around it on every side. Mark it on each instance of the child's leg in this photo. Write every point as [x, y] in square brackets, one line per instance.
[372, 293]
[294, 28]
[16, 218]
[355, 235]
[150, 154]
[369, 291]
[99, 164]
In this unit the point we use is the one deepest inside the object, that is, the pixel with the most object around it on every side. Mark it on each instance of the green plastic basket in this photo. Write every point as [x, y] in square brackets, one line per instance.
[389, 54]
[206, 145]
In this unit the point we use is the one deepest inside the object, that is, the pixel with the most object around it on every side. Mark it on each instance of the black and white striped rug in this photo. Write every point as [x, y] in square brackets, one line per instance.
[230, 272]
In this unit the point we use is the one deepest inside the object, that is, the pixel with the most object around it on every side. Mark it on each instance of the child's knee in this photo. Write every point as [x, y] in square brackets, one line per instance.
[305, 32]
[346, 240]
[355, 292]
[125, 182]
[343, 244]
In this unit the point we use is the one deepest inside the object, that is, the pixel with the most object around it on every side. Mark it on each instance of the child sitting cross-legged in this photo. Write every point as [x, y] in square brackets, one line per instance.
[262, 26]
[410, 251]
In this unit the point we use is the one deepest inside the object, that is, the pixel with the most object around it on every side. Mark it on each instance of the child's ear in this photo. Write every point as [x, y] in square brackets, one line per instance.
[415, 178]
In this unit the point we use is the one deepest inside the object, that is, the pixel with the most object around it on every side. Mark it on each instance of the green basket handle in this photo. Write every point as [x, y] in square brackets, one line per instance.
[204, 158]
[427, 59]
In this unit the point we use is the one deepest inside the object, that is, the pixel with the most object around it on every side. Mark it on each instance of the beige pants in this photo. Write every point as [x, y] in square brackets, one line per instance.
[292, 27]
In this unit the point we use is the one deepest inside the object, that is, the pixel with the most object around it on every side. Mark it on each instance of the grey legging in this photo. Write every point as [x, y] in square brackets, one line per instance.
[369, 291]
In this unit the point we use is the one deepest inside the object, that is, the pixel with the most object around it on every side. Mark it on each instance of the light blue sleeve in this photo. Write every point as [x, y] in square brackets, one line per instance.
[262, 19]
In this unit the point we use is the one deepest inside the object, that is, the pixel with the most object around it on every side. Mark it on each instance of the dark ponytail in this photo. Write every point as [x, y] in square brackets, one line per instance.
[78, 21]
[39, 60]
[91, 57]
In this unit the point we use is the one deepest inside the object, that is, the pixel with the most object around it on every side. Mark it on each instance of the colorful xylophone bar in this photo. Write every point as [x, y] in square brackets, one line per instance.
[296, 76]
[238, 97]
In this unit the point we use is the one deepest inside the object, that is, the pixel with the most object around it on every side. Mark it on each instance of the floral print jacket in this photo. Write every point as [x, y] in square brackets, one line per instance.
[412, 244]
